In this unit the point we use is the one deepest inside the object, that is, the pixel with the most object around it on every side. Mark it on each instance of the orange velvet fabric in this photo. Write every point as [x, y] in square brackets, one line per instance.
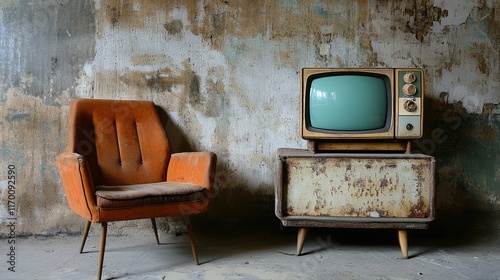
[117, 143]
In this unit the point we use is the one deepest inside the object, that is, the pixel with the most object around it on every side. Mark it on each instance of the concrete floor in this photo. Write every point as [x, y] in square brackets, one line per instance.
[247, 253]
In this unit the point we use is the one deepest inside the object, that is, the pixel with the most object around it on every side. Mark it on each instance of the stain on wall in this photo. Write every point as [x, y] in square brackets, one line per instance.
[467, 148]
[41, 39]
[43, 47]
[224, 75]
[422, 16]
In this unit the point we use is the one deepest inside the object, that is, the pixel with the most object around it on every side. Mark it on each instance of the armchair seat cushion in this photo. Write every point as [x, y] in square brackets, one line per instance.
[124, 196]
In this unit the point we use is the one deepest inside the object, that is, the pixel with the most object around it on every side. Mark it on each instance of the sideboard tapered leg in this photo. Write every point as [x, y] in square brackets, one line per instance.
[403, 242]
[301, 237]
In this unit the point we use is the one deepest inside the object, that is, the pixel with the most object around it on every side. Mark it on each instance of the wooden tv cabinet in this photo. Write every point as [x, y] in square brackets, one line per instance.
[354, 190]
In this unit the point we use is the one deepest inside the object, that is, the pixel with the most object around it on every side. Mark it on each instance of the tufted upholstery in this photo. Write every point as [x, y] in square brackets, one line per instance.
[123, 141]
[118, 166]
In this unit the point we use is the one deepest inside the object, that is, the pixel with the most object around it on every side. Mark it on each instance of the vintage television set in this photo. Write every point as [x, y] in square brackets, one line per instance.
[362, 122]
[360, 105]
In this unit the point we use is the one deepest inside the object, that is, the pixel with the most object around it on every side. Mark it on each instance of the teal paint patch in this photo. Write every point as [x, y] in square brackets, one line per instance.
[234, 48]
[480, 163]
[292, 5]
[321, 11]
[468, 147]
[11, 153]
[481, 29]
[5, 152]
[48, 127]
[16, 116]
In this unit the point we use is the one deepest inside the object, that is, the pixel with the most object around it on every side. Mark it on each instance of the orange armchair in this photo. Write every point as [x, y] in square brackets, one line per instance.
[118, 166]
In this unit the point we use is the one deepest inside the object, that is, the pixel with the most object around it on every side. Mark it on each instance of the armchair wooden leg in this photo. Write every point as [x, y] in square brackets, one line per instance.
[101, 250]
[153, 221]
[193, 245]
[85, 234]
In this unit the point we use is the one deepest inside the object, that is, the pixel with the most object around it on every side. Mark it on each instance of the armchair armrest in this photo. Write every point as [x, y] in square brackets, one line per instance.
[77, 182]
[193, 167]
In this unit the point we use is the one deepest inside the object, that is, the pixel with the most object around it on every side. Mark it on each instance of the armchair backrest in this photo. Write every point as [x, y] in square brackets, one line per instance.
[123, 141]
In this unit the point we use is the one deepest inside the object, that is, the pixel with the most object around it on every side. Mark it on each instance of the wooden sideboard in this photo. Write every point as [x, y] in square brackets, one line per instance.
[354, 190]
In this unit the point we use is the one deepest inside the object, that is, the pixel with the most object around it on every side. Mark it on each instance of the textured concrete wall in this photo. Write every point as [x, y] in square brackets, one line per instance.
[226, 75]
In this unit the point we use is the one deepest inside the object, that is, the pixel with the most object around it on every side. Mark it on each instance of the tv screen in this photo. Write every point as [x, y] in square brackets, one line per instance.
[351, 102]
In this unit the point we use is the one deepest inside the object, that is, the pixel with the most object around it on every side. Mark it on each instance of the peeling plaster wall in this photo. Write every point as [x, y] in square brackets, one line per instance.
[225, 74]
[43, 48]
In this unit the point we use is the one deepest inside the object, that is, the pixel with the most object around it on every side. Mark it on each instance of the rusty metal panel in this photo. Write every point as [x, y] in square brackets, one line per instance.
[355, 185]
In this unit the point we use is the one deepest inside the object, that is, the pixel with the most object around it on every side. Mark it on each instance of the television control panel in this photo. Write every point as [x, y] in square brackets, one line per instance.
[409, 103]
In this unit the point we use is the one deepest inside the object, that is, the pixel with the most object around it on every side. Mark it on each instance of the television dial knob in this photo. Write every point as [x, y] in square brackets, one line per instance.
[410, 106]
[409, 78]
[409, 89]
[409, 126]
